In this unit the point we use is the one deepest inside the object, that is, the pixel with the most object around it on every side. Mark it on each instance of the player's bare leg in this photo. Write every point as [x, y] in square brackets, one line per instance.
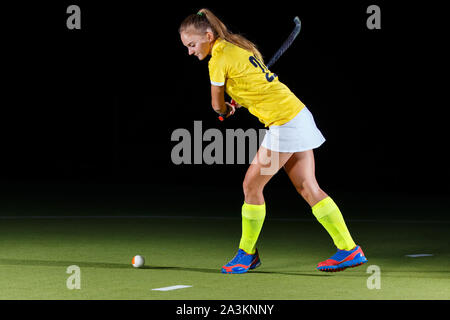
[301, 171]
[263, 167]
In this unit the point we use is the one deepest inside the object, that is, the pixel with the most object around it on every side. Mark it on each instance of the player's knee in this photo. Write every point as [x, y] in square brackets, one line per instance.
[251, 188]
[307, 188]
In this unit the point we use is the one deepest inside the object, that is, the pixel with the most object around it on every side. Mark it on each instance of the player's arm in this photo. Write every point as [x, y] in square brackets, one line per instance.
[218, 101]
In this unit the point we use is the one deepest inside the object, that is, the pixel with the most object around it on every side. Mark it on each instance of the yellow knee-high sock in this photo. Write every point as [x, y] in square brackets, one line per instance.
[252, 221]
[329, 215]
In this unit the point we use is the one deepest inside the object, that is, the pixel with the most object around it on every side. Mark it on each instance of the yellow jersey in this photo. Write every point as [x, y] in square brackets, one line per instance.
[248, 82]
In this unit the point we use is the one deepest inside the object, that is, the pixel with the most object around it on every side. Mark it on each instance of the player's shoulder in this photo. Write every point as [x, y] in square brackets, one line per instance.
[234, 51]
[227, 52]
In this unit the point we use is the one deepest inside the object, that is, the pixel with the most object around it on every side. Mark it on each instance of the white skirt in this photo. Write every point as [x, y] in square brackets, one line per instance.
[296, 135]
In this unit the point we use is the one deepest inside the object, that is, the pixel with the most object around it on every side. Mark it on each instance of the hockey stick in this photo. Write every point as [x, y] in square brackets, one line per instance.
[287, 43]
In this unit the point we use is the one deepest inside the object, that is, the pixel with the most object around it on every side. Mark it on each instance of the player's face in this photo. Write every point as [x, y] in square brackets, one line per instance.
[198, 44]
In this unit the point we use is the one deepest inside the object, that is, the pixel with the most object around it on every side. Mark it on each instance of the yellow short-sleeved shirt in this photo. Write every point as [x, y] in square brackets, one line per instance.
[248, 81]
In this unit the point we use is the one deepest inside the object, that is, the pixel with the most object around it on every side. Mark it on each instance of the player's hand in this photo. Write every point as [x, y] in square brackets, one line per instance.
[231, 109]
[235, 104]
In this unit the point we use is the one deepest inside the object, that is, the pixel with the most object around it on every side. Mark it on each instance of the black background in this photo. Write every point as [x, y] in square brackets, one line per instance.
[99, 105]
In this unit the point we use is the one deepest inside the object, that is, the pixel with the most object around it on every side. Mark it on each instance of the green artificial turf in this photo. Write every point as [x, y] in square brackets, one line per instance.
[35, 255]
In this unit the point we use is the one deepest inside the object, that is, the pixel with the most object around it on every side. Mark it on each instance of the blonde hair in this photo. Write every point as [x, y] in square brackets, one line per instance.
[204, 19]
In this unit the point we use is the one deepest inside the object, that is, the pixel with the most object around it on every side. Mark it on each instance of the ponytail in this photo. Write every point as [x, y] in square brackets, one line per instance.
[205, 19]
